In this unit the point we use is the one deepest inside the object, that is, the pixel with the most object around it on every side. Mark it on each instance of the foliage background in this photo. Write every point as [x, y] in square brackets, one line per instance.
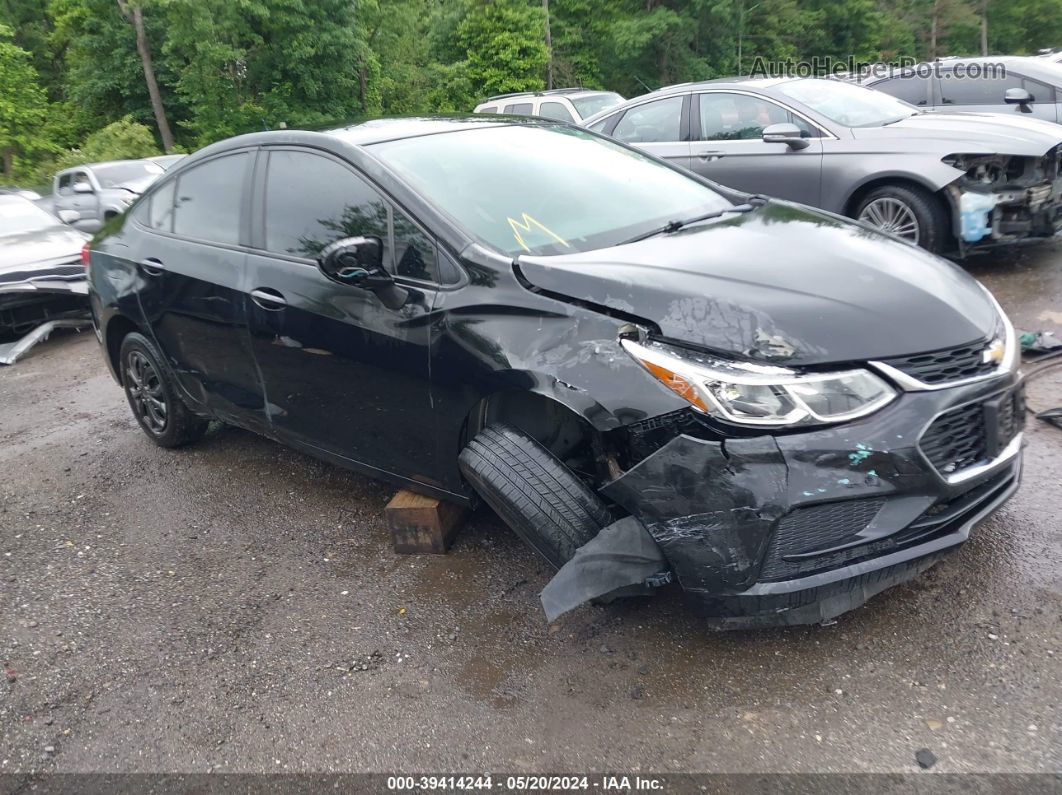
[70, 71]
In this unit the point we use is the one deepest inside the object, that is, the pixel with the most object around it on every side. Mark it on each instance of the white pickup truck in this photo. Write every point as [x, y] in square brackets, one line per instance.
[87, 196]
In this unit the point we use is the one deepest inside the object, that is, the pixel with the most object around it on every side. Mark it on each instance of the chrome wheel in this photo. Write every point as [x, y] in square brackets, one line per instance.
[144, 387]
[892, 216]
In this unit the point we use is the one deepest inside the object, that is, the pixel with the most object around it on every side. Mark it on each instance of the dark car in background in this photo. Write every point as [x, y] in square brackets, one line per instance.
[799, 410]
[951, 183]
[996, 84]
[42, 277]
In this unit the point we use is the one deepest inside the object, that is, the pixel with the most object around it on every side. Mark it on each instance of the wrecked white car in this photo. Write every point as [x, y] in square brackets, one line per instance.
[42, 278]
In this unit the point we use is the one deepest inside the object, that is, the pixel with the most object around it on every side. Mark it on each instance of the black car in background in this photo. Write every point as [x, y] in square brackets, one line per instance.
[799, 410]
[42, 277]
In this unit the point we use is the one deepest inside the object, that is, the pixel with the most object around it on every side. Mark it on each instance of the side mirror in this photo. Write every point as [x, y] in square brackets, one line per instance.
[1020, 97]
[784, 133]
[69, 216]
[82, 187]
[358, 262]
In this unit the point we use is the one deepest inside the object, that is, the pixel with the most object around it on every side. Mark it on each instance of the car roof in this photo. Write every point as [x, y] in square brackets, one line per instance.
[1037, 66]
[723, 82]
[103, 163]
[552, 92]
[366, 133]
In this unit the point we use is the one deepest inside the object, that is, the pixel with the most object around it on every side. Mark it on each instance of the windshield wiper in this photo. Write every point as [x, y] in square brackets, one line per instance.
[673, 226]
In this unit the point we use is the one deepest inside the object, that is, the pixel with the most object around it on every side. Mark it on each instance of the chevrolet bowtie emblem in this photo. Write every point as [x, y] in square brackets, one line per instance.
[994, 352]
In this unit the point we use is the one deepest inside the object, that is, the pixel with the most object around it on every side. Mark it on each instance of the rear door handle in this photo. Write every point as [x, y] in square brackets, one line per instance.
[152, 266]
[268, 298]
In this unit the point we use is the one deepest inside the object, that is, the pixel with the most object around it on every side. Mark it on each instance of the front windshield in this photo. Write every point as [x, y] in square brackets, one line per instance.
[114, 175]
[847, 104]
[18, 215]
[545, 189]
[595, 103]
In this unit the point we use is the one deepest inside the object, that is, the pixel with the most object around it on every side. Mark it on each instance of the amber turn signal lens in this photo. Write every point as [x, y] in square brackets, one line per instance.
[676, 383]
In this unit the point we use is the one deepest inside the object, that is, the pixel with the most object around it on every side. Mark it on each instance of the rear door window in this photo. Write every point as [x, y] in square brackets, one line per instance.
[519, 108]
[555, 110]
[209, 198]
[659, 121]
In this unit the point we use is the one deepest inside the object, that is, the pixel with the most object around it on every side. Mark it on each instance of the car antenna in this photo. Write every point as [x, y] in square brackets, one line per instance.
[643, 84]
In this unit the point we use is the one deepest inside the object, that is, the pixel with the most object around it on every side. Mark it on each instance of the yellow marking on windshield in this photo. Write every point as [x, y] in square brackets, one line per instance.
[526, 226]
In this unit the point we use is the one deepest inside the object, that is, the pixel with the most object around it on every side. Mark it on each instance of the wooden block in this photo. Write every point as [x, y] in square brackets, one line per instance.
[422, 524]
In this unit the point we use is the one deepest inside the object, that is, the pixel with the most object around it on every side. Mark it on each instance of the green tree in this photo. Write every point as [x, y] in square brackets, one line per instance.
[249, 64]
[504, 46]
[23, 104]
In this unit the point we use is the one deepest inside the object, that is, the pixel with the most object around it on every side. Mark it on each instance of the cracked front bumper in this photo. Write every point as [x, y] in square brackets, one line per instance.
[800, 527]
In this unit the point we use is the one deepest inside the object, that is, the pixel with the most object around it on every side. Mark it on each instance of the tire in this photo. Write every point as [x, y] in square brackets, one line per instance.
[153, 397]
[933, 229]
[544, 503]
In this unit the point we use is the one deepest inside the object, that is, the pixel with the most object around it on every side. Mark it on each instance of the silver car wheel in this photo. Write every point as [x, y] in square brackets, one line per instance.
[892, 216]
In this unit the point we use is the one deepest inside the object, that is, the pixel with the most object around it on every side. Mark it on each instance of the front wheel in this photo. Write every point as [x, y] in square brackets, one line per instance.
[906, 212]
[542, 500]
[158, 409]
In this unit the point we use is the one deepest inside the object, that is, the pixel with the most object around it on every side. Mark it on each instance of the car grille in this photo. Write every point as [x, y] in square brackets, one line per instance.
[971, 434]
[76, 270]
[805, 530]
[940, 520]
[945, 366]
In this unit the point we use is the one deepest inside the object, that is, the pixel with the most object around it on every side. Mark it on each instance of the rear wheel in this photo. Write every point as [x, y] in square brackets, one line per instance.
[907, 212]
[158, 408]
[533, 492]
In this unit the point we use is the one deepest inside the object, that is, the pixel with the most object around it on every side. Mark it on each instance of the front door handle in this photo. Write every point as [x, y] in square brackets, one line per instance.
[710, 155]
[268, 298]
[152, 266]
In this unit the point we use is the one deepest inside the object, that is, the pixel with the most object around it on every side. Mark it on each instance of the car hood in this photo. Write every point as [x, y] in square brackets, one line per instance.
[784, 284]
[40, 247]
[135, 185]
[973, 133]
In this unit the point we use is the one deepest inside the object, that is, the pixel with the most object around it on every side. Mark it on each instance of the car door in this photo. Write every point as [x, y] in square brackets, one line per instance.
[76, 195]
[960, 91]
[192, 268]
[659, 126]
[344, 374]
[728, 147]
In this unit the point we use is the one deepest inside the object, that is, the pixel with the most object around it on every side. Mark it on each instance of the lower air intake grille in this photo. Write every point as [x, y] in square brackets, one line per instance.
[956, 439]
[815, 527]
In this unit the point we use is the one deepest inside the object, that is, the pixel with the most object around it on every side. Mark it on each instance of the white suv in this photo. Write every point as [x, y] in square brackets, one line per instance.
[562, 104]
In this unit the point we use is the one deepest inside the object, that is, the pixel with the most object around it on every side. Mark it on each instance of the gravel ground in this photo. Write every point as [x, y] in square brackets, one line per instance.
[236, 606]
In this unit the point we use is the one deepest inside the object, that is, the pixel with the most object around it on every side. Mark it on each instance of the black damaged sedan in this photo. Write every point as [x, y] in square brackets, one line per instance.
[782, 410]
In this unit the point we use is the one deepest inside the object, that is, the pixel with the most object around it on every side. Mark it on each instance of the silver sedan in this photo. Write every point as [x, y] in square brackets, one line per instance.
[950, 182]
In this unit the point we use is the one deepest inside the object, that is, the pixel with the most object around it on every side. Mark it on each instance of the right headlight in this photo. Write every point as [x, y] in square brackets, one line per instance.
[754, 394]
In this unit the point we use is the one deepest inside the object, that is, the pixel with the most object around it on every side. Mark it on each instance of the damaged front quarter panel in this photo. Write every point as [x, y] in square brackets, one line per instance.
[709, 505]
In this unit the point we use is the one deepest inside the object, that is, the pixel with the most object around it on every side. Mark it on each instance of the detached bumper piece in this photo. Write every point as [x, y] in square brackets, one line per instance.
[799, 528]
